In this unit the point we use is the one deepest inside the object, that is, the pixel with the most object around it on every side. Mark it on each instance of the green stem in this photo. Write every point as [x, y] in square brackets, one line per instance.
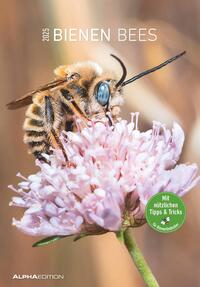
[139, 260]
[120, 235]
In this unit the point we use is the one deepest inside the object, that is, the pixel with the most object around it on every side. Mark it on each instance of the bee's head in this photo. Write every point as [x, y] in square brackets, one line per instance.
[107, 93]
[106, 96]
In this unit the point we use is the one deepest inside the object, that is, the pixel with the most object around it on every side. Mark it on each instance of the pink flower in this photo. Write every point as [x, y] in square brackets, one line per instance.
[113, 172]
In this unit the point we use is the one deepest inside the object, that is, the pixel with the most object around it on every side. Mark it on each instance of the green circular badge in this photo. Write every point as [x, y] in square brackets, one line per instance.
[165, 212]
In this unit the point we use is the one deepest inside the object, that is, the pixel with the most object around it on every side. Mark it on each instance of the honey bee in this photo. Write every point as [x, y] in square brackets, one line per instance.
[83, 90]
[165, 221]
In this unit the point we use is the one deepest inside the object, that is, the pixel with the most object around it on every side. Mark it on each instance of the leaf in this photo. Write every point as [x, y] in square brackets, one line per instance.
[82, 235]
[86, 234]
[48, 240]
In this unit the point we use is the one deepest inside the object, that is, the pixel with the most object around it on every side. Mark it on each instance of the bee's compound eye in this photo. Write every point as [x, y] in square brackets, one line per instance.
[103, 93]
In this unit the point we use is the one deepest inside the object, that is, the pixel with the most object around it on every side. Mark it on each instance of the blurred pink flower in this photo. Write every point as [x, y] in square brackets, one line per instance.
[114, 171]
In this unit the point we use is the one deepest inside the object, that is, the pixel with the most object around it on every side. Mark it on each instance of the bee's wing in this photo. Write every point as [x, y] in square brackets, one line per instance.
[27, 99]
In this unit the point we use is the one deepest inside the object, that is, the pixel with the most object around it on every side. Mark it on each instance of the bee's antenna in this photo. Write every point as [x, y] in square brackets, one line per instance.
[123, 77]
[152, 69]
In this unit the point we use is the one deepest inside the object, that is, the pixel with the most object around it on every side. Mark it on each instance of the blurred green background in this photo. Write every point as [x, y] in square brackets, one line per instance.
[169, 94]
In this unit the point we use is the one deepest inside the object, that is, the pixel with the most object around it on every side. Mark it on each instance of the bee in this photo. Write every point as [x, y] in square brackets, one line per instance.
[83, 90]
[166, 220]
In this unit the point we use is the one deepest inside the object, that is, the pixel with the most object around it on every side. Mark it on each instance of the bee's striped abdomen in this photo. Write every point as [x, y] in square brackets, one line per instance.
[35, 135]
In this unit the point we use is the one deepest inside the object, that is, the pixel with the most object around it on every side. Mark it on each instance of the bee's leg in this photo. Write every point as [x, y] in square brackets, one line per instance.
[53, 135]
[59, 143]
[109, 115]
[70, 102]
[38, 155]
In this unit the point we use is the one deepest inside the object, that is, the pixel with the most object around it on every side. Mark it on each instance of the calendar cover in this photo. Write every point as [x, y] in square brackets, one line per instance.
[100, 136]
